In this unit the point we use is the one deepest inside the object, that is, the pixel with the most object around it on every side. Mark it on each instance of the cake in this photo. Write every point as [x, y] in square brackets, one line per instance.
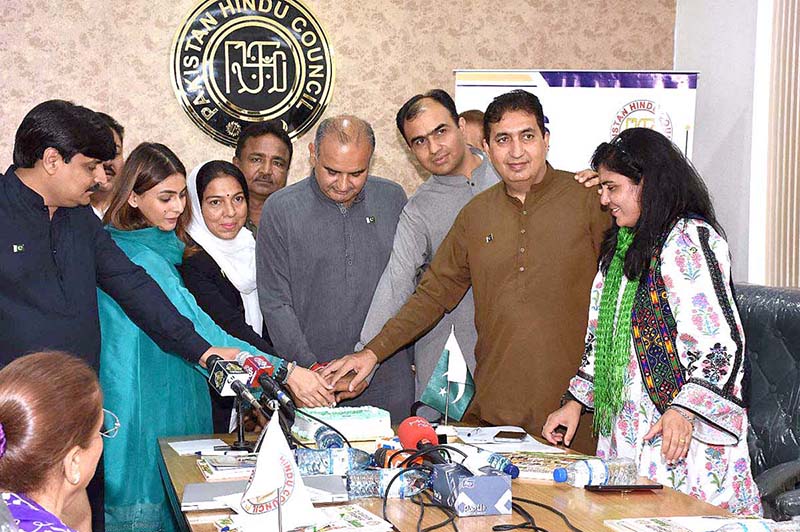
[357, 423]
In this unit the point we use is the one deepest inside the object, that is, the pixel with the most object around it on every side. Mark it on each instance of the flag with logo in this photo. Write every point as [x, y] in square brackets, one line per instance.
[450, 388]
[275, 482]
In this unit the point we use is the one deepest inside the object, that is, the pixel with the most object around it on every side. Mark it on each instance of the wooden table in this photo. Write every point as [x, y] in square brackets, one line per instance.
[585, 510]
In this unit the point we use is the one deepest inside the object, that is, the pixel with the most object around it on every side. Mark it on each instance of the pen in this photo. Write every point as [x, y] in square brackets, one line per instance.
[221, 453]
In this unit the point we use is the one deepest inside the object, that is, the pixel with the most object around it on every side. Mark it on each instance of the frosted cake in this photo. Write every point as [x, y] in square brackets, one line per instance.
[357, 423]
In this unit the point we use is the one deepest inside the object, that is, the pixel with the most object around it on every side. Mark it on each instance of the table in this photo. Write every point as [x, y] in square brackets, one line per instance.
[585, 510]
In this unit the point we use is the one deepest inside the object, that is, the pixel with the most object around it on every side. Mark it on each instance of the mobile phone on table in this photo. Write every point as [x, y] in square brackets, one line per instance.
[510, 435]
[624, 487]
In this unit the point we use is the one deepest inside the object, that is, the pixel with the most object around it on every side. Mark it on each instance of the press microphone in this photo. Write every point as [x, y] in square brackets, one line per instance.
[385, 457]
[273, 390]
[416, 433]
[255, 366]
[223, 373]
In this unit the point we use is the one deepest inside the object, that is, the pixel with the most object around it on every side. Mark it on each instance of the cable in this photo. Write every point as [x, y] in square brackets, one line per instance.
[546, 507]
[334, 429]
[445, 448]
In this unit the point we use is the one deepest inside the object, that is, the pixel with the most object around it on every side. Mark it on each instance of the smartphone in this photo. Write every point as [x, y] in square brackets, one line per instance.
[625, 487]
[510, 435]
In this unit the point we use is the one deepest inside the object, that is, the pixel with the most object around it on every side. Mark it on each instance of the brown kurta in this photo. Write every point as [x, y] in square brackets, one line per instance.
[531, 268]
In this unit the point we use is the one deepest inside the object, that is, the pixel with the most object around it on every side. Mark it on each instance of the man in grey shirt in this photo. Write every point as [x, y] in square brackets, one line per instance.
[435, 134]
[321, 248]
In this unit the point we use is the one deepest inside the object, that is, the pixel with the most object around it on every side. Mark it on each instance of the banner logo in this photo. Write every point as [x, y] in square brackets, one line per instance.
[269, 502]
[642, 113]
[235, 62]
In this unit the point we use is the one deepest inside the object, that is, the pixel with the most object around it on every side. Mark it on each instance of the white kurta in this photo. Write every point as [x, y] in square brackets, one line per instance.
[717, 467]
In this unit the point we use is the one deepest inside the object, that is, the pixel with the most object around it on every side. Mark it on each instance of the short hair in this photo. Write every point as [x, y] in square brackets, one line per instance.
[115, 126]
[516, 100]
[259, 129]
[214, 169]
[68, 128]
[473, 116]
[149, 164]
[38, 431]
[347, 128]
[412, 107]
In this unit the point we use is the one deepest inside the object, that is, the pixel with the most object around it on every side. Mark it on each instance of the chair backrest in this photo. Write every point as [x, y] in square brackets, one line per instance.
[771, 320]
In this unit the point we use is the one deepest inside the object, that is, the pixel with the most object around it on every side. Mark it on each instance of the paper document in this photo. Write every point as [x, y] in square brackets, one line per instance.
[484, 437]
[190, 447]
[685, 524]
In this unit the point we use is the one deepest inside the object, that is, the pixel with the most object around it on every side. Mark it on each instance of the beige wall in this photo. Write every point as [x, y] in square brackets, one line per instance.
[113, 56]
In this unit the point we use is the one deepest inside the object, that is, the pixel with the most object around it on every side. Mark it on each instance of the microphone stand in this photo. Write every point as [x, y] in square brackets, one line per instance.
[241, 444]
[275, 406]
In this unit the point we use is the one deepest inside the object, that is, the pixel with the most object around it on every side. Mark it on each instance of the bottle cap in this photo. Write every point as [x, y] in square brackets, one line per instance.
[560, 474]
[511, 469]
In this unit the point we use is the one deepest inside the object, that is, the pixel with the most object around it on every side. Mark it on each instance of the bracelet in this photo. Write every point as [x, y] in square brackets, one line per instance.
[683, 414]
[289, 368]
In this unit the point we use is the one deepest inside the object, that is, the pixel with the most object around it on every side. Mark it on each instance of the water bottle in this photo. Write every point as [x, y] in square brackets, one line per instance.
[7, 523]
[596, 471]
[479, 458]
[373, 483]
[330, 461]
[327, 438]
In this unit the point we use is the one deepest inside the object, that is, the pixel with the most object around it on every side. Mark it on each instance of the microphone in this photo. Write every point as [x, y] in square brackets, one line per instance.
[223, 373]
[389, 458]
[255, 366]
[416, 433]
[273, 390]
[245, 395]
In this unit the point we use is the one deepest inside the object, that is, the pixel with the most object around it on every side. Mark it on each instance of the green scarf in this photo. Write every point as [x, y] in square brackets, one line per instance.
[613, 338]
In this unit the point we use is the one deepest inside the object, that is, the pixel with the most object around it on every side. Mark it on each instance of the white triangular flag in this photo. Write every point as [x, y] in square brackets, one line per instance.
[276, 475]
[456, 365]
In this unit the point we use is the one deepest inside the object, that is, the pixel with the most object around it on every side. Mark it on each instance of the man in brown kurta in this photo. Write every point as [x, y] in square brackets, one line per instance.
[528, 247]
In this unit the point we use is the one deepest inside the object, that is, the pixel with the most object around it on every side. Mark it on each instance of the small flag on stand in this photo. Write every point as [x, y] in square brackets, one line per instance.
[275, 498]
[450, 388]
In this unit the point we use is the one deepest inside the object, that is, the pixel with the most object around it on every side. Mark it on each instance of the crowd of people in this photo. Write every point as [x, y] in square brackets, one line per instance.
[141, 271]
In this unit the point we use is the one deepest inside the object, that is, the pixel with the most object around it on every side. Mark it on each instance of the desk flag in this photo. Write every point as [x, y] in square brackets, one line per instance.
[451, 382]
[276, 480]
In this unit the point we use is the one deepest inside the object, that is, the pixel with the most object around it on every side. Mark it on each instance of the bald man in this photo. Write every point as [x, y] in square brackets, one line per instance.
[322, 246]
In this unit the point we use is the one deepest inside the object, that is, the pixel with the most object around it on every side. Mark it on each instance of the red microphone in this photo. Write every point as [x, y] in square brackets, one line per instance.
[384, 457]
[255, 366]
[416, 433]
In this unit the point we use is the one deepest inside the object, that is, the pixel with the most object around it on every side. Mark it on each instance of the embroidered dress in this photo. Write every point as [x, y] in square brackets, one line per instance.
[31, 517]
[709, 346]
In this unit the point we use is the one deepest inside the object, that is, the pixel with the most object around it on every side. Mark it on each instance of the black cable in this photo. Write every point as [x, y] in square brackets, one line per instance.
[529, 524]
[428, 450]
[334, 429]
[551, 509]
[397, 475]
[451, 515]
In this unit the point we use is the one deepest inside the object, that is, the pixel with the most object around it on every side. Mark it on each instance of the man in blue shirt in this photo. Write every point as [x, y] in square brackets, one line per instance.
[54, 252]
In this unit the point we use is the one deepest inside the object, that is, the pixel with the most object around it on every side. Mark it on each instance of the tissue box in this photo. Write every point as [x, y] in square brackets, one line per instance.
[488, 494]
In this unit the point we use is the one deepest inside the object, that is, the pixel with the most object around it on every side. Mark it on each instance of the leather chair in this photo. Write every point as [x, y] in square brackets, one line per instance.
[771, 320]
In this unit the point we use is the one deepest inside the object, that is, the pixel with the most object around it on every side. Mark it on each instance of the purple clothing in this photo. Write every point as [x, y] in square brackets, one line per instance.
[31, 517]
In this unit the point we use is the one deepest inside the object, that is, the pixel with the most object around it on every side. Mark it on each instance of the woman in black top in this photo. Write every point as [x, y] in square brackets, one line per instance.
[220, 270]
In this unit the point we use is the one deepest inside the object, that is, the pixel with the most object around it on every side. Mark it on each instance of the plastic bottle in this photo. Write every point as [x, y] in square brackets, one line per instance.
[330, 461]
[479, 458]
[327, 438]
[7, 523]
[373, 483]
[596, 471]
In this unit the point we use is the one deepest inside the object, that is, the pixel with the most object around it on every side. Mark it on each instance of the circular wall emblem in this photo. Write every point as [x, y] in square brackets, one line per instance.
[642, 113]
[235, 62]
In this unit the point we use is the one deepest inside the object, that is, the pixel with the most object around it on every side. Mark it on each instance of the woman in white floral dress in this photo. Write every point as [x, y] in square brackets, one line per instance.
[664, 359]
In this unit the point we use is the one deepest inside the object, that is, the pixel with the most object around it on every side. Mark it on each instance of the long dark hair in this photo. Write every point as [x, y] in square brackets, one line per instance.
[671, 189]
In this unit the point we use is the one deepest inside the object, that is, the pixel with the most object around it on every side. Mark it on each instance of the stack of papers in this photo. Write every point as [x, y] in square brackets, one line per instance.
[219, 468]
[690, 524]
[540, 466]
[331, 519]
[190, 447]
[485, 438]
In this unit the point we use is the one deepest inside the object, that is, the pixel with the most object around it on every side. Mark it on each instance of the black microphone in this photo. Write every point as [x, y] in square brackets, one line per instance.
[223, 373]
[273, 390]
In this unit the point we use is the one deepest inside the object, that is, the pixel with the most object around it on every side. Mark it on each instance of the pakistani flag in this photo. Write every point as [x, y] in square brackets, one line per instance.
[451, 387]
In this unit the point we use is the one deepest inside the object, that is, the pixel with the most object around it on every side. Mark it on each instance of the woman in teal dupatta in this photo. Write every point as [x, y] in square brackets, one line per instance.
[157, 394]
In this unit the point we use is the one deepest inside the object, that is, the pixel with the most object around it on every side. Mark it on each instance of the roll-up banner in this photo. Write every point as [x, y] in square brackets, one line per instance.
[586, 107]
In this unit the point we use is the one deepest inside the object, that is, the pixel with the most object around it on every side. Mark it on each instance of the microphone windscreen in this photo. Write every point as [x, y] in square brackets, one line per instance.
[414, 429]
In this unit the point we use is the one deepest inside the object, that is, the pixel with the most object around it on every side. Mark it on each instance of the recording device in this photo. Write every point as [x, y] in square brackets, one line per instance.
[416, 433]
[223, 373]
[273, 390]
[255, 366]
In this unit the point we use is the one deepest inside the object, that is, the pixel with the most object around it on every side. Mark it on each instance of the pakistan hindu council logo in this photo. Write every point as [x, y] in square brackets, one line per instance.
[235, 62]
[642, 113]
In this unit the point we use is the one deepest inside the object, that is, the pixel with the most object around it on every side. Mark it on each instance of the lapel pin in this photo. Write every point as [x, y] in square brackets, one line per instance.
[370, 219]
[489, 238]
[17, 248]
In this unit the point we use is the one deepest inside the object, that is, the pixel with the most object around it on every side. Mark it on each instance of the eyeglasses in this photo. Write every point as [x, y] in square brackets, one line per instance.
[111, 424]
